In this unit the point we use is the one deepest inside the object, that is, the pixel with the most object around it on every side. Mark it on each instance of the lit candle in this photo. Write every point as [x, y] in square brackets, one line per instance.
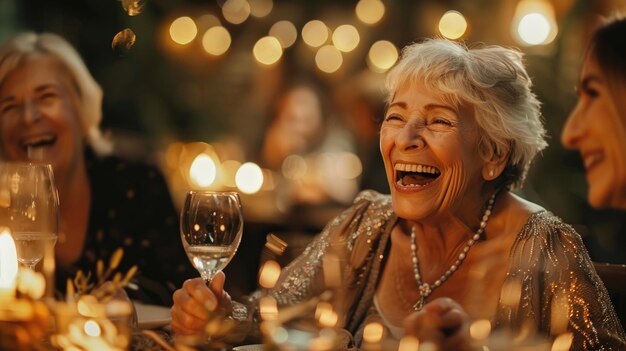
[8, 265]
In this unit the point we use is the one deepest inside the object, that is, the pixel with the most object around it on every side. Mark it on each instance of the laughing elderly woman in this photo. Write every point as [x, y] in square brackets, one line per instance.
[451, 244]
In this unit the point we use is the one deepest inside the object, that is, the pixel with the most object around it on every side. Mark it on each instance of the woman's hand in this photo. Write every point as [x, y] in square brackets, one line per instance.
[195, 303]
[442, 322]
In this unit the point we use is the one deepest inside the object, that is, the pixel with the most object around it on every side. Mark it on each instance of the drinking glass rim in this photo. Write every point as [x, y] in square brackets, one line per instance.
[212, 192]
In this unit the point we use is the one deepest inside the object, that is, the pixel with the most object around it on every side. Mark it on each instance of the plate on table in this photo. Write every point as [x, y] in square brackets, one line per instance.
[152, 316]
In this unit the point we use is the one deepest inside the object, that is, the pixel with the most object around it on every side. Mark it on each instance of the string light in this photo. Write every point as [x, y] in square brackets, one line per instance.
[183, 30]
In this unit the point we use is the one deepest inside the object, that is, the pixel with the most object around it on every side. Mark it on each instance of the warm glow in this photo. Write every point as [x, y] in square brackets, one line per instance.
[203, 171]
[326, 315]
[285, 32]
[562, 342]
[236, 11]
[8, 263]
[452, 25]
[534, 28]
[268, 308]
[370, 11]
[92, 328]
[183, 30]
[328, 59]
[269, 274]
[294, 167]
[89, 306]
[249, 178]
[31, 283]
[228, 170]
[480, 329]
[346, 38]
[348, 165]
[408, 343]
[373, 333]
[216, 40]
[267, 50]
[534, 22]
[383, 55]
[260, 8]
[207, 21]
[315, 33]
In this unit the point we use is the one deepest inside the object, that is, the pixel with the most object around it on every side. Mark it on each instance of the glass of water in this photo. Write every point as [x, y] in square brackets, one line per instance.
[29, 206]
[211, 224]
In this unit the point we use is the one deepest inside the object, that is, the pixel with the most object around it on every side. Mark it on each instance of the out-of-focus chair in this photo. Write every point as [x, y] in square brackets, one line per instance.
[614, 278]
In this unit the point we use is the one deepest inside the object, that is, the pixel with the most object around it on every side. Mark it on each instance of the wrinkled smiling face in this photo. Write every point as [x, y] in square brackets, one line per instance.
[430, 151]
[596, 129]
[37, 115]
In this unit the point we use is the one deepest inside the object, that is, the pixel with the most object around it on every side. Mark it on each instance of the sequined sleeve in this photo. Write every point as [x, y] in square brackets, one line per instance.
[558, 288]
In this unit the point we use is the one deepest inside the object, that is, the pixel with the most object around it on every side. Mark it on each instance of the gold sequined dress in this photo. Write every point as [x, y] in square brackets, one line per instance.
[548, 262]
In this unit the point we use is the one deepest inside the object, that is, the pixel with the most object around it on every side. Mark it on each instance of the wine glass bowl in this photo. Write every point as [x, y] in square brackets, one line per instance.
[29, 206]
[211, 225]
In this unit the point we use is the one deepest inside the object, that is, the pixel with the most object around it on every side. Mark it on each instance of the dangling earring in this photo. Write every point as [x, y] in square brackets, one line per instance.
[491, 172]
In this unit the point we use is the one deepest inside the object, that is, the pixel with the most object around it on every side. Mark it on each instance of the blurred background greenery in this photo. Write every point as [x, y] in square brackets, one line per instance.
[165, 94]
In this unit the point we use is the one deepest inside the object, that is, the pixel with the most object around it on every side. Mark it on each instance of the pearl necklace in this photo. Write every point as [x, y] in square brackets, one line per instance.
[424, 288]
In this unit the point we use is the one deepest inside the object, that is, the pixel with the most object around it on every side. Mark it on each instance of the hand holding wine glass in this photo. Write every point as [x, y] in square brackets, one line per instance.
[211, 227]
[29, 206]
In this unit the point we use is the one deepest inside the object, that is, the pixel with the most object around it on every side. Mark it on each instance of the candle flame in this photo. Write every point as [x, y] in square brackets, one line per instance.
[8, 260]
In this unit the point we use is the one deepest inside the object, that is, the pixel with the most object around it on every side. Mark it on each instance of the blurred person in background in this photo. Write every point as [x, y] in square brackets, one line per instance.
[597, 125]
[300, 133]
[50, 111]
[452, 244]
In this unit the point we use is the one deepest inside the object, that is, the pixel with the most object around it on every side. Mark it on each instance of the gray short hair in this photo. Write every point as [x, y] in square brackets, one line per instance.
[88, 92]
[494, 81]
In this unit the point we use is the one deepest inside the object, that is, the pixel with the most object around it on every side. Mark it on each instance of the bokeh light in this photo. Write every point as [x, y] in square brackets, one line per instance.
[216, 40]
[382, 56]
[408, 343]
[373, 333]
[183, 30]
[92, 328]
[315, 33]
[260, 8]
[236, 11]
[346, 38]
[294, 167]
[249, 178]
[269, 273]
[285, 32]
[203, 171]
[267, 50]
[328, 59]
[452, 25]
[370, 11]
[348, 165]
[534, 22]
[480, 329]
[534, 28]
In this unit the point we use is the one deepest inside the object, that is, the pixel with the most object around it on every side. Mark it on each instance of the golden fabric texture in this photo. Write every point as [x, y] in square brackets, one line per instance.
[550, 276]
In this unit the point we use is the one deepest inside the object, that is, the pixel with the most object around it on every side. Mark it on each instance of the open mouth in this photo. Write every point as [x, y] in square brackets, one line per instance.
[39, 141]
[415, 175]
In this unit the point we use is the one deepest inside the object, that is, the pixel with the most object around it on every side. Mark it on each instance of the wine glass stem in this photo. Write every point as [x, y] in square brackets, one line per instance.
[208, 277]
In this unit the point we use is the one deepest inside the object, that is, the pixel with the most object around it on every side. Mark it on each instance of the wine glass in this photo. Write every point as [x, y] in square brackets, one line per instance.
[211, 224]
[29, 206]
